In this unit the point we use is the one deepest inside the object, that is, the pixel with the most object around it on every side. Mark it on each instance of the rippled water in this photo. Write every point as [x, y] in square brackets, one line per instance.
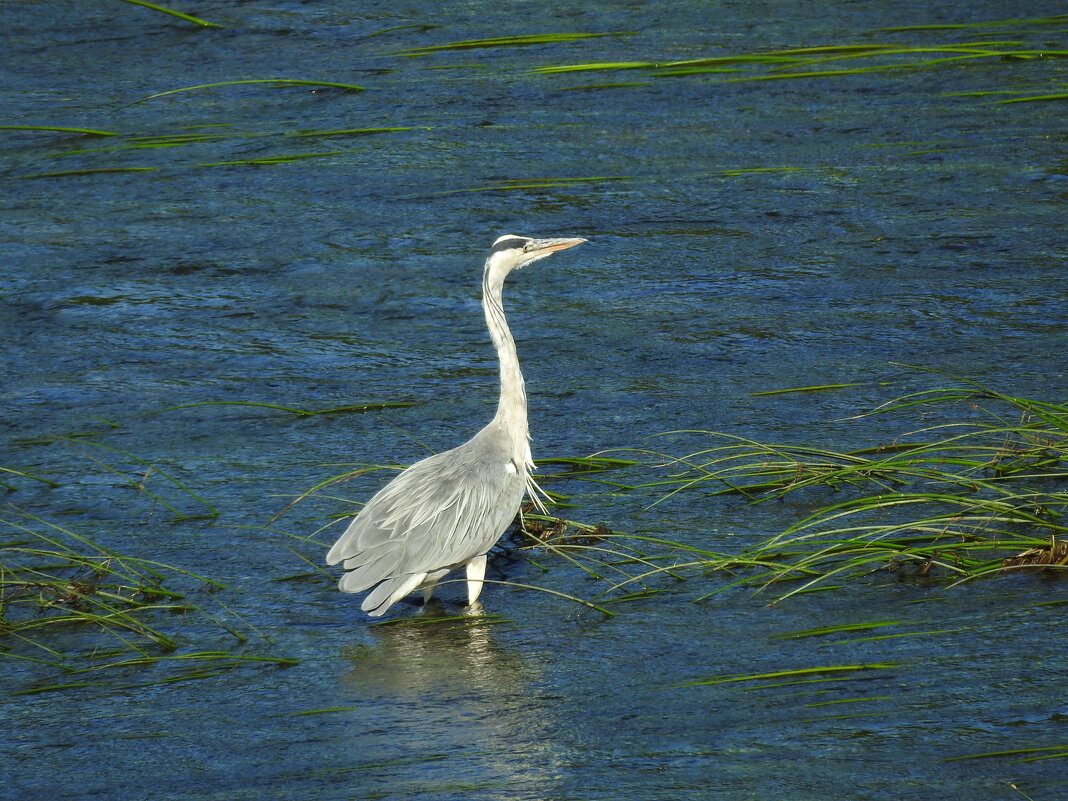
[919, 225]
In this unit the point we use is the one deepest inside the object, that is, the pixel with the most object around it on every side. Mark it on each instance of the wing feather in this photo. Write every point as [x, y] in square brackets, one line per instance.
[439, 513]
[367, 575]
[389, 592]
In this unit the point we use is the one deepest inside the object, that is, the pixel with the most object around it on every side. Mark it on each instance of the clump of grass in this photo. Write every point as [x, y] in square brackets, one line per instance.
[54, 578]
[133, 471]
[812, 62]
[73, 605]
[978, 495]
[189, 144]
[1030, 42]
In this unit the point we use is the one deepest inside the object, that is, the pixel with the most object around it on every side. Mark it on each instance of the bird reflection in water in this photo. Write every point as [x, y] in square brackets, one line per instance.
[441, 646]
[444, 705]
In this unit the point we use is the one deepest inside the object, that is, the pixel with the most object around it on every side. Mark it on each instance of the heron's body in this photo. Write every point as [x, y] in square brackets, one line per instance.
[448, 510]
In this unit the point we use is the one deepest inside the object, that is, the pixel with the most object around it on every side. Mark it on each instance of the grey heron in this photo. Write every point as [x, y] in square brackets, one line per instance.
[446, 512]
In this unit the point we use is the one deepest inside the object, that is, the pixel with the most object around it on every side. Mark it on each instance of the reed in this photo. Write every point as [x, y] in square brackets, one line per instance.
[979, 495]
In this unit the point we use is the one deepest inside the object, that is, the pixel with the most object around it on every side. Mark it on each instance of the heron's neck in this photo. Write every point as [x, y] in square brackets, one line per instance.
[512, 408]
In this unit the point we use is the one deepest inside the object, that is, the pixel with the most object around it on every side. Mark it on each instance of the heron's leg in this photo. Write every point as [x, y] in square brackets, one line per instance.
[428, 592]
[429, 583]
[476, 571]
[473, 610]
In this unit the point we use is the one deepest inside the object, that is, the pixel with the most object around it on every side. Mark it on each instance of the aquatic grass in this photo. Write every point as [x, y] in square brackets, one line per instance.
[165, 10]
[837, 701]
[1036, 98]
[897, 636]
[355, 131]
[420, 27]
[580, 465]
[188, 667]
[836, 629]
[181, 140]
[527, 184]
[58, 129]
[1019, 754]
[129, 143]
[61, 592]
[354, 408]
[966, 51]
[598, 86]
[140, 482]
[23, 474]
[348, 87]
[574, 542]
[216, 659]
[523, 40]
[52, 577]
[959, 500]
[738, 171]
[267, 160]
[653, 67]
[556, 593]
[817, 61]
[87, 171]
[791, 390]
[822, 673]
[379, 764]
[340, 478]
[308, 712]
[1054, 19]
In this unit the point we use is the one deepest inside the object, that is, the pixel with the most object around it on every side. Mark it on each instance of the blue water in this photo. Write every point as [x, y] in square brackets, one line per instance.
[918, 225]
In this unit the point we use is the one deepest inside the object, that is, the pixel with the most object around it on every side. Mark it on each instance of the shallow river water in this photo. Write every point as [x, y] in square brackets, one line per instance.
[233, 244]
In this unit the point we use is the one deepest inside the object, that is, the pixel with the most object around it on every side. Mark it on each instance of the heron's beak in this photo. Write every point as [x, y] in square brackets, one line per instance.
[541, 247]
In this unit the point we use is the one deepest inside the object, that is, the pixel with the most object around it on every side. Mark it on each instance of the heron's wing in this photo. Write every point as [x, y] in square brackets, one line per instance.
[438, 513]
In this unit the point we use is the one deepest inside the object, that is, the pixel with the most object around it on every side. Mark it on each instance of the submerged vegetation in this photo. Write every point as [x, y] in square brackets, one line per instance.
[818, 62]
[60, 591]
[842, 59]
[980, 492]
[217, 143]
[203, 23]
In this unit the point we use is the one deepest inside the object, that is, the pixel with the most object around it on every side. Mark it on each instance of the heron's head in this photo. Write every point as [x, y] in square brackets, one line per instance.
[511, 252]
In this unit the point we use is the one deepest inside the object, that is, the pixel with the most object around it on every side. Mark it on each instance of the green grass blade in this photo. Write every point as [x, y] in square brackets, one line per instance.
[832, 670]
[1010, 752]
[508, 41]
[87, 131]
[1036, 98]
[163, 9]
[273, 81]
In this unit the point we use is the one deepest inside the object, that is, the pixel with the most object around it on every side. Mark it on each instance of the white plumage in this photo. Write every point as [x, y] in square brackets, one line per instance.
[447, 511]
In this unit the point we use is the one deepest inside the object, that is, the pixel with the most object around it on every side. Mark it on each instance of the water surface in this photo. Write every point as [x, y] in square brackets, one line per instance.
[917, 224]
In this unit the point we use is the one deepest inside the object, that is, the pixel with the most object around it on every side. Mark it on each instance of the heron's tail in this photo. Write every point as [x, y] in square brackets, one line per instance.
[389, 592]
